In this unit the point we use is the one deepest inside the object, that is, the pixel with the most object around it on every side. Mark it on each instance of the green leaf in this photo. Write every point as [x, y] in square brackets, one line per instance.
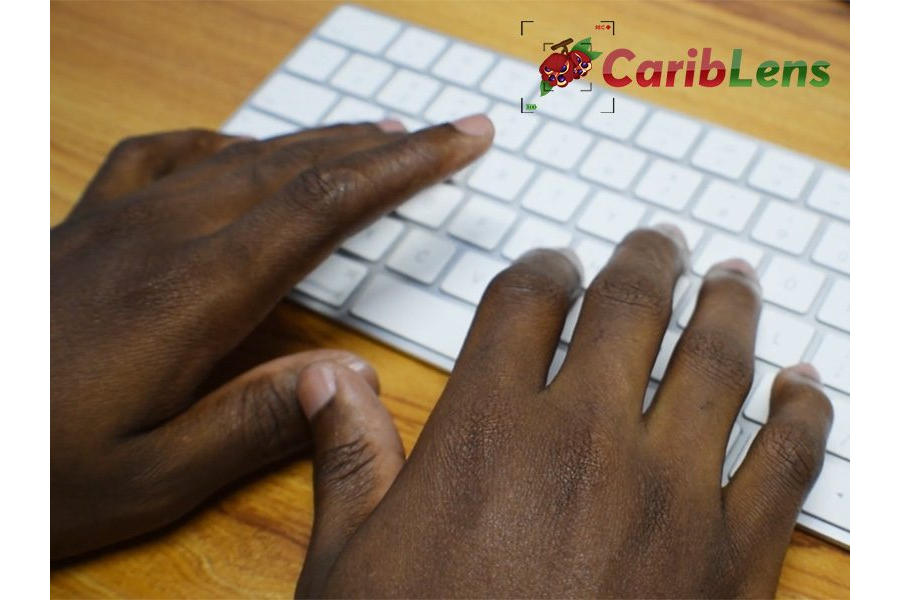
[582, 45]
[585, 46]
[546, 88]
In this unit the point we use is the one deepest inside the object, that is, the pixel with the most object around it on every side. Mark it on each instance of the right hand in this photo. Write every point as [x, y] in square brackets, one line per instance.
[519, 488]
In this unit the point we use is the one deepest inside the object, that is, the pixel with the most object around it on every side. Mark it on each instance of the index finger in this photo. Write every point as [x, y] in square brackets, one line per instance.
[291, 232]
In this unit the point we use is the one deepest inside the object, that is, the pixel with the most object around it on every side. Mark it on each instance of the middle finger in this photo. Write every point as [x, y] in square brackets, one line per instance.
[625, 313]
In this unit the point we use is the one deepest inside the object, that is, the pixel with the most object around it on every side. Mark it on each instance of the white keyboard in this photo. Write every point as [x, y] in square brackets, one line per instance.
[570, 175]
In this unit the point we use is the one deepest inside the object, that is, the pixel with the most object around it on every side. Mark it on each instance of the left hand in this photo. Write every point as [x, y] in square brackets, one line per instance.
[180, 246]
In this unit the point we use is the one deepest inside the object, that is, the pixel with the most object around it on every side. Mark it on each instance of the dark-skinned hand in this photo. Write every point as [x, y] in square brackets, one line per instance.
[517, 488]
[180, 246]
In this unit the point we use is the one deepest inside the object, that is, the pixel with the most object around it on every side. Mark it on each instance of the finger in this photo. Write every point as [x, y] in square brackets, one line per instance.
[137, 161]
[249, 422]
[519, 320]
[765, 496]
[214, 204]
[624, 315]
[357, 456]
[238, 157]
[312, 214]
[711, 369]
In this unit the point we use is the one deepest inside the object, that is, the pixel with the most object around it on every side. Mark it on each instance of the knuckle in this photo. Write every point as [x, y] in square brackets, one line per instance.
[322, 191]
[524, 283]
[131, 148]
[718, 356]
[793, 451]
[635, 289]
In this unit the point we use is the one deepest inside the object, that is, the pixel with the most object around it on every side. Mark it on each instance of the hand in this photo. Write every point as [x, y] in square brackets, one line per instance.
[181, 245]
[519, 488]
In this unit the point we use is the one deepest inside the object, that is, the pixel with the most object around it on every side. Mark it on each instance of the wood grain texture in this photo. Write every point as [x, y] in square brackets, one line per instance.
[122, 68]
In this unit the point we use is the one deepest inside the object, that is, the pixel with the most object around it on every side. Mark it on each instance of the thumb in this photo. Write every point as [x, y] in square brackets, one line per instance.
[358, 454]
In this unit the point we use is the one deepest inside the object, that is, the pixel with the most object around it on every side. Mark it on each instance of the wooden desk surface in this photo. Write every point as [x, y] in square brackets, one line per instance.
[122, 68]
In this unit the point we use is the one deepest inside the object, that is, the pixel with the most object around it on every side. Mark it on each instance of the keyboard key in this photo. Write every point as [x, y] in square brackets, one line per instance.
[559, 145]
[359, 29]
[334, 280]
[351, 110]
[593, 255]
[681, 287]
[535, 233]
[722, 247]
[688, 311]
[453, 103]
[832, 359]
[785, 227]
[555, 196]
[724, 154]
[618, 125]
[511, 127]
[316, 60]
[421, 255]
[781, 173]
[463, 64]
[431, 207]
[512, 81]
[836, 309]
[416, 48]
[372, 242]
[295, 99]
[693, 233]
[751, 431]
[831, 194]
[566, 104]
[410, 312]
[572, 320]
[791, 284]
[726, 206]
[781, 339]
[362, 75]
[668, 184]
[666, 349]
[668, 134]
[612, 164]
[260, 125]
[408, 122]
[611, 216]
[833, 250]
[649, 394]
[471, 275]
[482, 222]
[829, 499]
[501, 174]
[408, 92]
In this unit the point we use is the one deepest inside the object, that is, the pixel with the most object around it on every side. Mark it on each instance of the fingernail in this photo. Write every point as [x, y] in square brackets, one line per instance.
[573, 258]
[391, 126]
[477, 125]
[807, 370]
[358, 365]
[316, 387]
[673, 232]
[736, 264]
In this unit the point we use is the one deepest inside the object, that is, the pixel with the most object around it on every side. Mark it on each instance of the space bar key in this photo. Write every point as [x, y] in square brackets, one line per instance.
[418, 316]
